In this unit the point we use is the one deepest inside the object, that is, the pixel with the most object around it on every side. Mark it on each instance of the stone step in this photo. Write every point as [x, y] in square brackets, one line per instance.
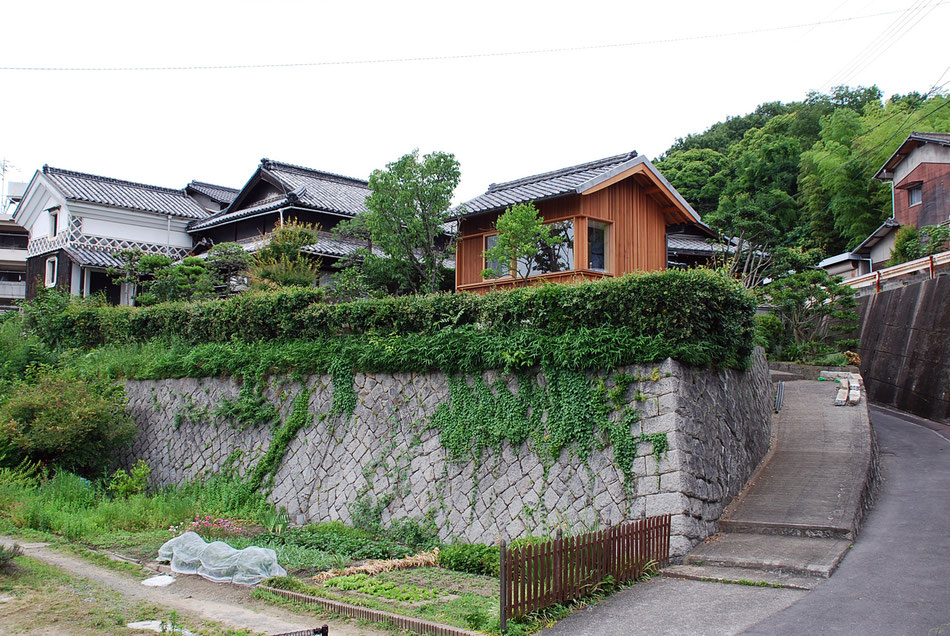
[785, 529]
[774, 553]
[742, 576]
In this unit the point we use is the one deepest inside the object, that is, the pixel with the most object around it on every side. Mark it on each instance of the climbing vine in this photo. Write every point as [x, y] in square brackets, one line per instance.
[344, 393]
[251, 407]
[283, 435]
[567, 411]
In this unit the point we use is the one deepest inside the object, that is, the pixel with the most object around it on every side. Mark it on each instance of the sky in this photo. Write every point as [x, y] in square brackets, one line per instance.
[512, 88]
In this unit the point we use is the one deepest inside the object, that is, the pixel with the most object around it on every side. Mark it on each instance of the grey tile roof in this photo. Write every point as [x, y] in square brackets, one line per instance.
[90, 188]
[89, 257]
[221, 194]
[543, 186]
[336, 247]
[690, 243]
[303, 188]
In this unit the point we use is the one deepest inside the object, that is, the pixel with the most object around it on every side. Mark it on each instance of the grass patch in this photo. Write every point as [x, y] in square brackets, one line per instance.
[103, 560]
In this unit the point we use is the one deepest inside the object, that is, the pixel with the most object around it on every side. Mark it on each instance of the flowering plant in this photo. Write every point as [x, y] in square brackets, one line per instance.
[206, 526]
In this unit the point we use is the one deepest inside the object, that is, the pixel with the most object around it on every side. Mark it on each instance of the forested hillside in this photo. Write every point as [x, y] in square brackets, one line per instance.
[800, 174]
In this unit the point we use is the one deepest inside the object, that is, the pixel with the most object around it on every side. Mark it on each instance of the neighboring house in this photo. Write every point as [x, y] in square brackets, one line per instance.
[281, 192]
[78, 221]
[693, 245]
[919, 173]
[613, 214]
[13, 244]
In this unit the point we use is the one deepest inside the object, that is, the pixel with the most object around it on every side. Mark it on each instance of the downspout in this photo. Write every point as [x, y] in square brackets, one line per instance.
[168, 237]
[281, 213]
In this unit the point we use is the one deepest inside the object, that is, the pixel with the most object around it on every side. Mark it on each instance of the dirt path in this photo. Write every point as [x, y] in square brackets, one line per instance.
[230, 606]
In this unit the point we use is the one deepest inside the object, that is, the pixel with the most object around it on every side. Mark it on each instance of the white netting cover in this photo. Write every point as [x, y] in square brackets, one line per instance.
[219, 562]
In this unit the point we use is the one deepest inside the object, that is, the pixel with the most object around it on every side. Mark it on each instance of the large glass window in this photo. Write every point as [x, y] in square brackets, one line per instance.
[491, 241]
[554, 258]
[598, 246]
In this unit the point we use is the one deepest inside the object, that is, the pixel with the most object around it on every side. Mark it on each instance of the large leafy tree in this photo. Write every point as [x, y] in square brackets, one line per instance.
[407, 213]
[699, 174]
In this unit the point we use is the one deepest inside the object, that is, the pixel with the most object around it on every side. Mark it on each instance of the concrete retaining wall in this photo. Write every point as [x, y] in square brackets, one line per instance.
[717, 425]
[905, 347]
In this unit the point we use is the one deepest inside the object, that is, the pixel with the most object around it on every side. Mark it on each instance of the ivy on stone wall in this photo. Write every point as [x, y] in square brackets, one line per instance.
[299, 417]
[565, 410]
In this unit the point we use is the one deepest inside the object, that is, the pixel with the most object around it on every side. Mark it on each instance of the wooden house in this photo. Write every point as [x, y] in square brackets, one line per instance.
[279, 193]
[612, 213]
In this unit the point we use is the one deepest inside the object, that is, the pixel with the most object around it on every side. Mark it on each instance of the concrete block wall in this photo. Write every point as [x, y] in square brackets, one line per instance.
[717, 425]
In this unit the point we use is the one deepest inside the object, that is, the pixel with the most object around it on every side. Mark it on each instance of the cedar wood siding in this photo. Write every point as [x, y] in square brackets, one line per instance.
[637, 234]
[935, 196]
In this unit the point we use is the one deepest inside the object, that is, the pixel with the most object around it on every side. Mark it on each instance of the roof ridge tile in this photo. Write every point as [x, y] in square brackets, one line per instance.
[47, 169]
[560, 172]
[271, 164]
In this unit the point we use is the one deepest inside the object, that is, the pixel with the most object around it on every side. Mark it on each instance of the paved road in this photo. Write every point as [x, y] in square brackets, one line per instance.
[896, 579]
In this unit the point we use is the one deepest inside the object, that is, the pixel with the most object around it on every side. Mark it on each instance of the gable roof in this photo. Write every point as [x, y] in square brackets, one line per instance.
[889, 225]
[298, 187]
[914, 140]
[580, 179]
[116, 193]
[217, 193]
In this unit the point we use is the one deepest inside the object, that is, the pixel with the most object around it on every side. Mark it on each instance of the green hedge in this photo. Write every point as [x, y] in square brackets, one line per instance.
[698, 310]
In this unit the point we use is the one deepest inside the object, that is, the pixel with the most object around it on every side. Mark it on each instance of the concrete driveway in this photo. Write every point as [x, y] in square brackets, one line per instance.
[895, 579]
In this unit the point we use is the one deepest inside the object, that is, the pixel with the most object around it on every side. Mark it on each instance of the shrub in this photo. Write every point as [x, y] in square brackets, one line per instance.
[131, 482]
[70, 423]
[698, 310]
[473, 558]
[769, 332]
[7, 554]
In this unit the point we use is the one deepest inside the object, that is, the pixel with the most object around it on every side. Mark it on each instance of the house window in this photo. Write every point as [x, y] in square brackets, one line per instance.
[51, 271]
[491, 241]
[53, 218]
[598, 245]
[554, 258]
[914, 195]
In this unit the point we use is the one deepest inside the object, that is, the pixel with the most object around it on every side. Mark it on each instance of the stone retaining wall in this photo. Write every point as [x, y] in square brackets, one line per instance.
[717, 424]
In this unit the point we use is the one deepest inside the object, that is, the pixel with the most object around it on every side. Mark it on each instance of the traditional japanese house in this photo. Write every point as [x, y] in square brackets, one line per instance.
[612, 213]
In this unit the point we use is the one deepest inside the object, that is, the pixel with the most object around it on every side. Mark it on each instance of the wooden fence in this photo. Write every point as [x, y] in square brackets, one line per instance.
[544, 574]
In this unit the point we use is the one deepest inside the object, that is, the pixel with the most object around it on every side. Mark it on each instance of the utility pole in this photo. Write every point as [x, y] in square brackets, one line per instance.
[5, 164]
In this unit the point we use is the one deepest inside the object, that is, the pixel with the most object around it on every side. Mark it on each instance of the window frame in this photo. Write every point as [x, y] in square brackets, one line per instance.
[608, 245]
[53, 221]
[911, 191]
[54, 262]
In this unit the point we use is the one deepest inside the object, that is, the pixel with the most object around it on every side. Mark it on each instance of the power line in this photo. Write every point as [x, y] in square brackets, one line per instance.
[462, 56]
[885, 45]
[887, 32]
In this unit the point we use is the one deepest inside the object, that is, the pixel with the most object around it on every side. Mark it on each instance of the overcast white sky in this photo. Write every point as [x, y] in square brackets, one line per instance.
[504, 117]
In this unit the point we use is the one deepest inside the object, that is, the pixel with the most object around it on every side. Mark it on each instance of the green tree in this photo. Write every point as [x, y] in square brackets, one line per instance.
[280, 262]
[226, 261]
[522, 238]
[699, 174]
[817, 312]
[407, 210]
